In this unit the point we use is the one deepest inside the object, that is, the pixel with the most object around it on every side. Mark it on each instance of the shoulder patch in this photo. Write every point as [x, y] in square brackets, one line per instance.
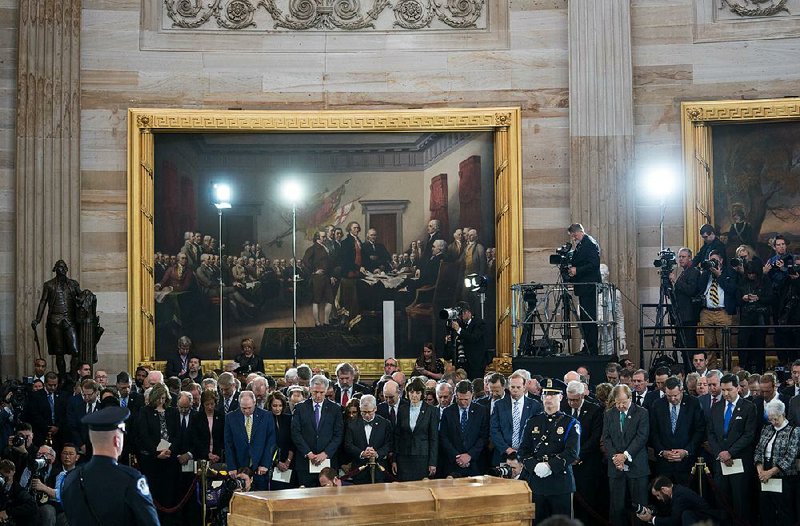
[142, 487]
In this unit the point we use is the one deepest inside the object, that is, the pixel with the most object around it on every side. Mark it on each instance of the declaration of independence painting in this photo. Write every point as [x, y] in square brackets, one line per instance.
[383, 217]
[757, 184]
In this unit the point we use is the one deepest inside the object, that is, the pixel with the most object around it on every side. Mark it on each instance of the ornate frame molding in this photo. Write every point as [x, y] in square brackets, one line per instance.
[696, 121]
[503, 122]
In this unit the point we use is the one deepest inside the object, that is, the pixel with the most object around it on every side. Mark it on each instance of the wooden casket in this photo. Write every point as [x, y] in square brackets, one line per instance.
[464, 501]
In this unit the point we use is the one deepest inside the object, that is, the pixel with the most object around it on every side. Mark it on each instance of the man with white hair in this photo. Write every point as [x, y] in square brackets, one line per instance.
[434, 233]
[589, 468]
[152, 378]
[259, 387]
[392, 400]
[368, 440]
[317, 432]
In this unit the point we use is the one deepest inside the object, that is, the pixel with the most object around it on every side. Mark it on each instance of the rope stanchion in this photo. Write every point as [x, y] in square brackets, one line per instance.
[720, 496]
[180, 504]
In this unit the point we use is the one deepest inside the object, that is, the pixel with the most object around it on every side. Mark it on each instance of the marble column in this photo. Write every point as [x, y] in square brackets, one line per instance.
[48, 156]
[602, 142]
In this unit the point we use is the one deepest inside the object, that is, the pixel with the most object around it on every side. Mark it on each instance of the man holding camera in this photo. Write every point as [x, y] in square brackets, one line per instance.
[686, 506]
[585, 268]
[782, 273]
[687, 309]
[16, 504]
[719, 298]
[470, 332]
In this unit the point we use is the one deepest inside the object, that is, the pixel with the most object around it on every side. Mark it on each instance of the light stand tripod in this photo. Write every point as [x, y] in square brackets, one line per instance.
[568, 310]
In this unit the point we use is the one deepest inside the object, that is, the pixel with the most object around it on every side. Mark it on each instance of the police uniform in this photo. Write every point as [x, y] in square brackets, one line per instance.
[550, 445]
[102, 492]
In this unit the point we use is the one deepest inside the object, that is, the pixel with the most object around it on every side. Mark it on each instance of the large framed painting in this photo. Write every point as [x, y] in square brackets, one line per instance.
[391, 210]
[742, 168]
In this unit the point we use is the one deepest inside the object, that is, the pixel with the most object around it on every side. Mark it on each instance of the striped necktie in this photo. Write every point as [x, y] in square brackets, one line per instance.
[713, 293]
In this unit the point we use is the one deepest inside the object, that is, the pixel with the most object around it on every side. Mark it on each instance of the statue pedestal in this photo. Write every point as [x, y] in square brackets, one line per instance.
[465, 501]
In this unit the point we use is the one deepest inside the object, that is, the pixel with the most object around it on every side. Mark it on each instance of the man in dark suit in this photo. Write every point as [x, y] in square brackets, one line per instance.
[429, 268]
[714, 396]
[178, 364]
[392, 401]
[686, 506]
[686, 287]
[677, 430]
[317, 431]
[250, 440]
[133, 402]
[589, 468]
[585, 268]
[369, 440]
[375, 255]
[182, 448]
[790, 391]
[639, 387]
[793, 411]
[625, 430]
[351, 254]
[46, 411]
[767, 393]
[710, 243]
[229, 398]
[345, 388]
[732, 436]
[507, 421]
[662, 373]
[79, 406]
[463, 433]
[434, 233]
[471, 333]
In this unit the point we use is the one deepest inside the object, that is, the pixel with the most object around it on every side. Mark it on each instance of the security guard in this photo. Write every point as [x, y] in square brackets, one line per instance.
[550, 445]
[102, 492]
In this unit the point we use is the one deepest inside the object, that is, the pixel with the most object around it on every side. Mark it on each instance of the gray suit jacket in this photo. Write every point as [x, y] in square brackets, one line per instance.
[632, 439]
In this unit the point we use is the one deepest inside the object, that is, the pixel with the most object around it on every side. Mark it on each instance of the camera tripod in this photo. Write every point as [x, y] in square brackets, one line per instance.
[666, 315]
[566, 305]
[546, 346]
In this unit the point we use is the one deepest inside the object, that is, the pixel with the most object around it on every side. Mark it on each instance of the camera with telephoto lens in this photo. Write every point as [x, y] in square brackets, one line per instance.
[503, 471]
[709, 263]
[563, 255]
[665, 261]
[450, 313]
[38, 464]
[19, 440]
[638, 509]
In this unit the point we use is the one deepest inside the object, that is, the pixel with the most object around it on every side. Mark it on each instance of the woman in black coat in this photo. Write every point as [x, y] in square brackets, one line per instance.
[158, 421]
[416, 436]
[208, 430]
[277, 404]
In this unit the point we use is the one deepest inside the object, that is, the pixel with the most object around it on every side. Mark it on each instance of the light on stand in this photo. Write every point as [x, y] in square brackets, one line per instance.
[477, 283]
[222, 201]
[292, 192]
[660, 183]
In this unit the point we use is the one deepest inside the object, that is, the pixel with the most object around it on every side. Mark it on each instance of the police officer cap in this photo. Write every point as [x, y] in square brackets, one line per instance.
[553, 385]
[107, 419]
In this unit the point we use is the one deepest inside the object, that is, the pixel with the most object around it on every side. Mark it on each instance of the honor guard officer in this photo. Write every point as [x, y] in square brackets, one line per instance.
[102, 492]
[550, 445]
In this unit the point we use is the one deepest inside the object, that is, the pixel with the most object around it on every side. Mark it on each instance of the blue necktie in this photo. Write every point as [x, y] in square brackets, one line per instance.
[463, 421]
[727, 421]
[316, 416]
[124, 402]
[52, 408]
[673, 418]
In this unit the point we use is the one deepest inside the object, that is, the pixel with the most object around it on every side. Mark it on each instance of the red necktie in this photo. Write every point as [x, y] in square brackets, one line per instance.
[358, 252]
[345, 398]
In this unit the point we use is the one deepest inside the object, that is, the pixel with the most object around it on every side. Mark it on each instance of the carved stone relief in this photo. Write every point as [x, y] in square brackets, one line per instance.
[749, 8]
[325, 15]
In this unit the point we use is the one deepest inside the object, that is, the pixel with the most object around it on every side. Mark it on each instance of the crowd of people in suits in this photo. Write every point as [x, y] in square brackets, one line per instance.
[311, 427]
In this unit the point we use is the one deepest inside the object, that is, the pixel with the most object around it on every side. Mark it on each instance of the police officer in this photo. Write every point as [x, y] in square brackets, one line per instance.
[101, 491]
[550, 445]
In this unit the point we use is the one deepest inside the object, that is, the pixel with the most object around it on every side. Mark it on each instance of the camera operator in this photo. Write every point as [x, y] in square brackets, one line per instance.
[710, 243]
[240, 483]
[687, 307]
[719, 298]
[470, 333]
[20, 448]
[783, 274]
[755, 294]
[8, 417]
[42, 482]
[17, 507]
[686, 506]
[510, 468]
[585, 268]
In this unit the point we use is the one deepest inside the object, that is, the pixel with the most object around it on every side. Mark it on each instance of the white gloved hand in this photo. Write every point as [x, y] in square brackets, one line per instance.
[543, 470]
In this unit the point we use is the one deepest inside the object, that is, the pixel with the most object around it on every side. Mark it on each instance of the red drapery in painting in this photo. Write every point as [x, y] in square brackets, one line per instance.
[438, 203]
[176, 211]
[469, 192]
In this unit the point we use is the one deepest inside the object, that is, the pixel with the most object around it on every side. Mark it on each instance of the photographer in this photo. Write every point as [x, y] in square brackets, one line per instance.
[755, 295]
[468, 333]
[782, 273]
[219, 499]
[20, 448]
[711, 243]
[41, 484]
[686, 506]
[687, 308]
[585, 268]
[17, 507]
[719, 298]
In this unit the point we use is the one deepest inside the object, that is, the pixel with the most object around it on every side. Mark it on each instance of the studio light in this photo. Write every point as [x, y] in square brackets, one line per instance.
[292, 192]
[660, 182]
[476, 282]
[222, 195]
[221, 199]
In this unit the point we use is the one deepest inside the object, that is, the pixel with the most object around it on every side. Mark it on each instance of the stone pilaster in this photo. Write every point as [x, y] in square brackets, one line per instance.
[601, 139]
[48, 156]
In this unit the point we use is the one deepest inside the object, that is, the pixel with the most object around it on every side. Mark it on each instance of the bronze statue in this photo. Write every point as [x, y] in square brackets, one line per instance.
[60, 295]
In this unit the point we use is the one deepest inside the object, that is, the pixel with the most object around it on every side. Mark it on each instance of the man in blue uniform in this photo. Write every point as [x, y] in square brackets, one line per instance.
[102, 491]
[550, 446]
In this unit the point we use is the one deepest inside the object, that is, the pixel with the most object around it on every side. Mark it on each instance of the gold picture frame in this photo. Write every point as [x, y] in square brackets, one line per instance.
[503, 122]
[697, 118]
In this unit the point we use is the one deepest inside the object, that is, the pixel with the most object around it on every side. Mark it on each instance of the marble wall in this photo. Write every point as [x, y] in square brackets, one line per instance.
[531, 72]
